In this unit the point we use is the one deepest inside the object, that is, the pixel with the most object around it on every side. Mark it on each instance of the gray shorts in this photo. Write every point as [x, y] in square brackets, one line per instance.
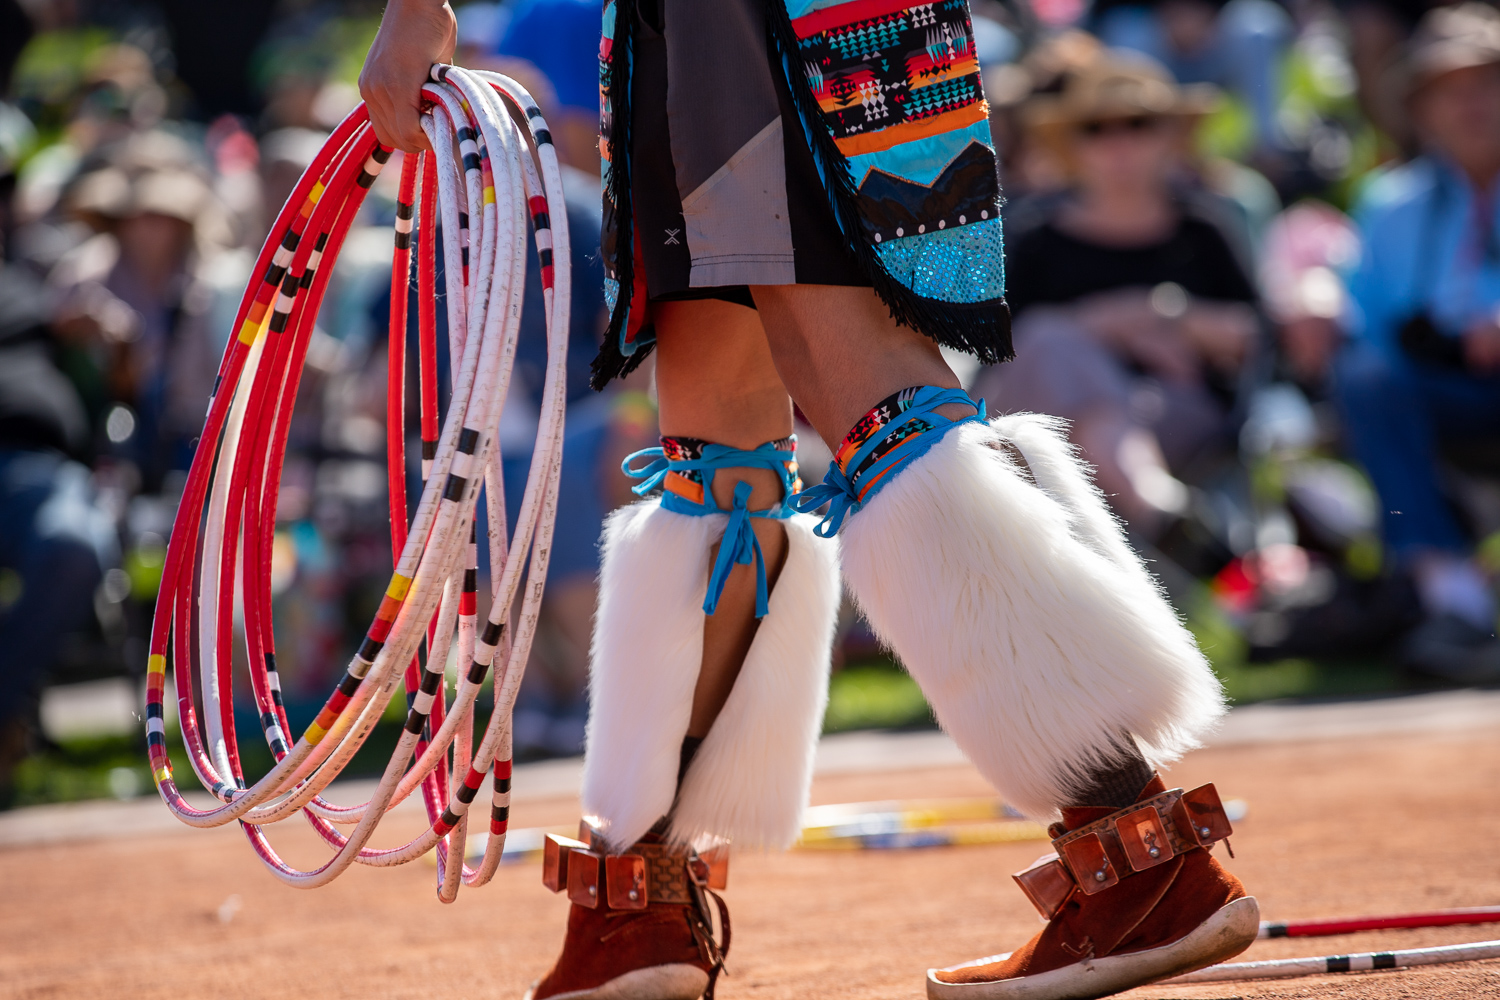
[724, 187]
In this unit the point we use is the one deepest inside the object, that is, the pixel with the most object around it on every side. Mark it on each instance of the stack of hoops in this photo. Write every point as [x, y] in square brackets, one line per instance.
[494, 168]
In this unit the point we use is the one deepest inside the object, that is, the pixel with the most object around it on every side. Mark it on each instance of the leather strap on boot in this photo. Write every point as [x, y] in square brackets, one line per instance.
[1140, 836]
[649, 873]
[646, 873]
[714, 952]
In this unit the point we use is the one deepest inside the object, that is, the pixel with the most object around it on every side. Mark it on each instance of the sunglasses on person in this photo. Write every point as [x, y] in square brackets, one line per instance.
[1107, 126]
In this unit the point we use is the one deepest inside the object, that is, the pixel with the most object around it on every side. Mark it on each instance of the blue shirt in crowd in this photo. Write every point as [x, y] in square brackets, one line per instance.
[1431, 244]
[560, 38]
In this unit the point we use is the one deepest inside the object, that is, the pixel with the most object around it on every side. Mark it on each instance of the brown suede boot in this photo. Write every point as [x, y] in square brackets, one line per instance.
[1132, 897]
[639, 927]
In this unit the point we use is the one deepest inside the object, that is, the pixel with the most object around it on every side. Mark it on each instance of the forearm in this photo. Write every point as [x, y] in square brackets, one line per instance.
[1221, 332]
[1116, 319]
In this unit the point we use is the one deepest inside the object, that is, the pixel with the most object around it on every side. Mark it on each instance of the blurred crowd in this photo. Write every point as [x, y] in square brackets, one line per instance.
[1253, 251]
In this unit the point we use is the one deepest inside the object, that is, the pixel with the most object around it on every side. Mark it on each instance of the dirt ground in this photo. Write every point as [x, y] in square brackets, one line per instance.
[1350, 827]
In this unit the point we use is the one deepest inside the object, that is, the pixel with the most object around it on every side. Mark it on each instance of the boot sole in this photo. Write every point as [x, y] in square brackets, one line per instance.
[1223, 935]
[659, 982]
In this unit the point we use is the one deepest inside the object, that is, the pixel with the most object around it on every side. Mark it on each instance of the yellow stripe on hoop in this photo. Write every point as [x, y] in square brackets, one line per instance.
[398, 588]
[489, 196]
[156, 663]
[315, 734]
[163, 773]
[256, 326]
[312, 199]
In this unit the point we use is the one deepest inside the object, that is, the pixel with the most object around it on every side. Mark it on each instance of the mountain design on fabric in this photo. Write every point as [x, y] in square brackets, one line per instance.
[967, 186]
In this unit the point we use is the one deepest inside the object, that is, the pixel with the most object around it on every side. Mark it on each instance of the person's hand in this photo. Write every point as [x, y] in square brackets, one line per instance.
[1482, 347]
[413, 35]
[1118, 316]
[1164, 352]
[1125, 320]
[1222, 332]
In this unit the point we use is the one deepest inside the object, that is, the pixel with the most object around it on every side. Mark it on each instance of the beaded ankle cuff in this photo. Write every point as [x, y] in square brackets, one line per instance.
[900, 429]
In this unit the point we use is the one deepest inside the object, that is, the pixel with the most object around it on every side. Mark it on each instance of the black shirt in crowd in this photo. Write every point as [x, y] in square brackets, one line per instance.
[1044, 265]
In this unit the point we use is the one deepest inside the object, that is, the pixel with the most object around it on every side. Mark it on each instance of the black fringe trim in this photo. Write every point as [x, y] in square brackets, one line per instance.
[980, 328]
[611, 362]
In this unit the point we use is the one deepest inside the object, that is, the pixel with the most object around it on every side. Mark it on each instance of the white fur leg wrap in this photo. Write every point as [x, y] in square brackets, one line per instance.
[1012, 597]
[749, 781]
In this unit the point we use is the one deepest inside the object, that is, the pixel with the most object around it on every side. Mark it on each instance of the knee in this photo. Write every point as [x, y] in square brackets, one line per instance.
[715, 376]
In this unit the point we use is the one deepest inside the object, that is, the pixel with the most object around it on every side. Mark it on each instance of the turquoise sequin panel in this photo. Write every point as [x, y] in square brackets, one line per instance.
[962, 264]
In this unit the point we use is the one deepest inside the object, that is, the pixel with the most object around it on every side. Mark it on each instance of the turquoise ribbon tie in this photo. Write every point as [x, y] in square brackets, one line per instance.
[653, 473]
[837, 492]
[738, 546]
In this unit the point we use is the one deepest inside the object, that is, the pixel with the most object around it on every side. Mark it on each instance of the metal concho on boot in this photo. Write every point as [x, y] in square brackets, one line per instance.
[749, 780]
[648, 872]
[986, 559]
[1134, 839]
[641, 926]
[1133, 896]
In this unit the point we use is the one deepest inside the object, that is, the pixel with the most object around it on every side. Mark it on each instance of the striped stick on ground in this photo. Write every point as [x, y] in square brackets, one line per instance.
[1348, 925]
[862, 826]
[1286, 968]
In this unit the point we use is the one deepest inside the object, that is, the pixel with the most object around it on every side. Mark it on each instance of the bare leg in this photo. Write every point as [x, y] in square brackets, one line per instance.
[740, 698]
[839, 352]
[716, 381]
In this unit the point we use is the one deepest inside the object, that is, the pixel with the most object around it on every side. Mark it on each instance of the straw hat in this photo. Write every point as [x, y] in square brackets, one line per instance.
[1043, 70]
[1118, 85]
[150, 172]
[1448, 39]
[111, 193]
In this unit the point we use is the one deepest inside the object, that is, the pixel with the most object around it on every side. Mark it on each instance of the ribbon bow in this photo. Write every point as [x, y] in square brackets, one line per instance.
[739, 546]
[653, 473]
[837, 492]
